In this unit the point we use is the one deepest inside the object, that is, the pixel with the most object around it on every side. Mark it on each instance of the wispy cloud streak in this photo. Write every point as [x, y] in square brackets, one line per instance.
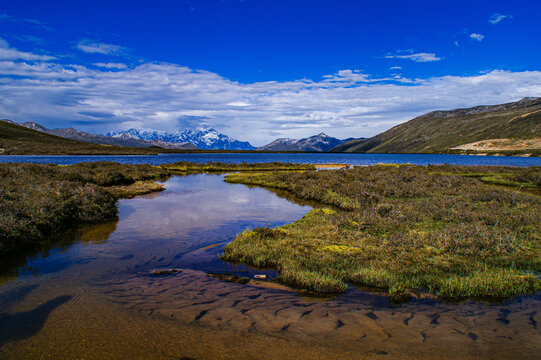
[117, 66]
[497, 18]
[33, 22]
[418, 57]
[92, 47]
[477, 37]
[8, 53]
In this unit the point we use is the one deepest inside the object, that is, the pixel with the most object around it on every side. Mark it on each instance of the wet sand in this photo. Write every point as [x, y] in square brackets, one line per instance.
[192, 315]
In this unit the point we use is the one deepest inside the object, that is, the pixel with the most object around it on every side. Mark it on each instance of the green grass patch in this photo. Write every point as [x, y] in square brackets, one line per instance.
[521, 179]
[505, 181]
[489, 283]
[219, 167]
[135, 189]
[411, 228]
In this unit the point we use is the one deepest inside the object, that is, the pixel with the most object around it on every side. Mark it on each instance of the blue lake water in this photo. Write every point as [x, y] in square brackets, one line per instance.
[310, 158]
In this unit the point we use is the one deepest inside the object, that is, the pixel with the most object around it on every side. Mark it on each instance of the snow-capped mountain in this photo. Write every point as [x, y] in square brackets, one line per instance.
[73, 134]
[208, 139]
[319, 142]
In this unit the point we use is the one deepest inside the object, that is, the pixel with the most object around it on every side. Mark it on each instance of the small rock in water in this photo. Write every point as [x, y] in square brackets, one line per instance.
[231, 278]
[166, 271]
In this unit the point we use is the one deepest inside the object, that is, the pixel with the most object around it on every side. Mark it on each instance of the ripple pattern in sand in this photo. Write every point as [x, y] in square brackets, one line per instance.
[359, 321]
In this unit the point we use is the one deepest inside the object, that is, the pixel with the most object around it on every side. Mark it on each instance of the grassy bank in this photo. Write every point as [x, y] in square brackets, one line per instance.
[219, 167]
[38, 201]
[458, 232]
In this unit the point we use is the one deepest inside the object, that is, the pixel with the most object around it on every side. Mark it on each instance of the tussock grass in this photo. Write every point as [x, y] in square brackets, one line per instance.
[37, 201]
[442, 229]
[185, 166]
[135, 189]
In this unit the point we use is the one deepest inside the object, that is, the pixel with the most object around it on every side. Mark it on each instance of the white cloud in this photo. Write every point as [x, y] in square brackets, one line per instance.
[419, 57]
[477, 37]
[348, 76]
[118, 66]
[239, 103]
[12, 54]
[168, 96]
[496, 18]
[7, 53]
[395, 68]
[89, 46]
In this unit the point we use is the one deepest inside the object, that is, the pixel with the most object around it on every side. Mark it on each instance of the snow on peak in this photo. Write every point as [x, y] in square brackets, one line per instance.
[200, 137]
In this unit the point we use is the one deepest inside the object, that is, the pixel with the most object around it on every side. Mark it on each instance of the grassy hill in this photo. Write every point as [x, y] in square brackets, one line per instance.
[450, 131]
[19, 140]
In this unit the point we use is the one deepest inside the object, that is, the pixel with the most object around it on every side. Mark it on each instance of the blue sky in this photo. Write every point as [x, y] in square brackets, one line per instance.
[261, 69]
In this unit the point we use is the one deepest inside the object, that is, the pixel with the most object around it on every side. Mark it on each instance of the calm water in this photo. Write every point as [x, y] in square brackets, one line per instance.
[311, 158]
[96, 297]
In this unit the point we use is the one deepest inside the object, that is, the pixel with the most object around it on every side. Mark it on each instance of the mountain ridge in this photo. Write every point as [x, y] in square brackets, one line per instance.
[16, 139]
[318, 143]
[445, 131]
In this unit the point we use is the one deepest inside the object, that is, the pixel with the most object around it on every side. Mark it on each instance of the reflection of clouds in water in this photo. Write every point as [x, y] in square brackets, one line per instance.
[201, 202]
[239, 199]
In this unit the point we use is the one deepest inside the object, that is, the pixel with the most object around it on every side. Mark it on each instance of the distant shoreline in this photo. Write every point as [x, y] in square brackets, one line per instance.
[531, 153]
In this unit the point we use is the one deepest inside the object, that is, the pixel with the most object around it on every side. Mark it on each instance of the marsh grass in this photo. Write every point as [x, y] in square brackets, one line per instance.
[135, 189]
[441, 229]
[38, 201]
[219, 167]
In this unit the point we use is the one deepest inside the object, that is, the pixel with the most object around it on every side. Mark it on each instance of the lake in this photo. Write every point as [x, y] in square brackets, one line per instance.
[95, 296]
[310, 158]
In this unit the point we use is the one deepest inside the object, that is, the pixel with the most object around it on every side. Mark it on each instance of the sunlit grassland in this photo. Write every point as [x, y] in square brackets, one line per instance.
[135, 189]
[219, 167]
[458, 232]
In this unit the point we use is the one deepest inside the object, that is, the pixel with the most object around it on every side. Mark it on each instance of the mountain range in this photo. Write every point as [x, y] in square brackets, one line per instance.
[320, 142]
[207, 139]
[73, 134]
[510, 127]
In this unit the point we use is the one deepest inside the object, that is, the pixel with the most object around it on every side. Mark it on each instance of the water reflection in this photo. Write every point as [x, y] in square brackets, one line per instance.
[48, 257]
